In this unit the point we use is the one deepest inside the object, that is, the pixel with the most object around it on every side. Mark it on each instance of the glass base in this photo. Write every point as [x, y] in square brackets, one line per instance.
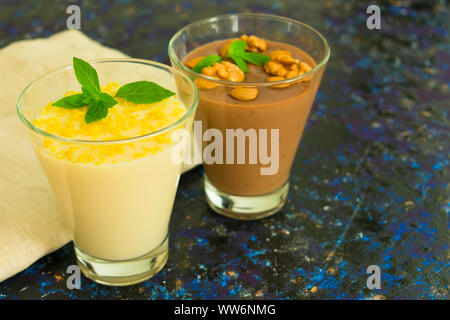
[126, 272]
[245, 207]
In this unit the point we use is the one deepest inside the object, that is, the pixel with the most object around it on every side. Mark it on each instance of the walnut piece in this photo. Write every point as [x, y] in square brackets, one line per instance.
[282, 64]
[244, 93]
[305, 67]
[224, 70]
[254, 44]
[275, 68]
[284, 57]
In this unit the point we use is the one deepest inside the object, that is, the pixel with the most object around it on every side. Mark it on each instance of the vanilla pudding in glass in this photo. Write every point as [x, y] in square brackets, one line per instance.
[115, 178]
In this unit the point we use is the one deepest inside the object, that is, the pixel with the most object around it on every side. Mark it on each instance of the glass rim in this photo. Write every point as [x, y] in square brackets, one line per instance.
[183, 67]
[159, 65]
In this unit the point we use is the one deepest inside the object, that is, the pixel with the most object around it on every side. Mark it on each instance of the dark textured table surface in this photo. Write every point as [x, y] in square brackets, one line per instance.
[369, 184]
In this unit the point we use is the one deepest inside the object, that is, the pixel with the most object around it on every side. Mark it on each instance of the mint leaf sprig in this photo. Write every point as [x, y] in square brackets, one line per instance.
[99, 102]
[236, 51]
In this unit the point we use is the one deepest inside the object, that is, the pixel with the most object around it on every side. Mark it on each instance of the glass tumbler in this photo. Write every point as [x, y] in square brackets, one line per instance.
[267, 130]
[119, 207]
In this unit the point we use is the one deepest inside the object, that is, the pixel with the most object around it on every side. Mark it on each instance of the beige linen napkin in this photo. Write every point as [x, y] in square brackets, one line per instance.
[30, 224]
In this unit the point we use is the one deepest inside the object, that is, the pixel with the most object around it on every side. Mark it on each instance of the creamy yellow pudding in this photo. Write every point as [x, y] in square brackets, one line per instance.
[101, 185]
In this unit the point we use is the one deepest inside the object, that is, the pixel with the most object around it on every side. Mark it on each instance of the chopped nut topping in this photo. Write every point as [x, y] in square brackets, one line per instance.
[254, 44]
[292, 74]
[305, 67]
[282, 64]
[191, 64]
[224, 70]
[283, 56]
[244, 93]
[275, 68]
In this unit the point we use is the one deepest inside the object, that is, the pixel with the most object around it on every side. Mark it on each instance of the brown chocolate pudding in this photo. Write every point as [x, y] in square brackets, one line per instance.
[286, 109]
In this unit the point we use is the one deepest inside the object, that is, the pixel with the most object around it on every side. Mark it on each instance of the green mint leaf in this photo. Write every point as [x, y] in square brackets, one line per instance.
[143, 92]
[98, 106]
[90, 93]
[206, 62]
[254, 58]
[71, 102]
[86, 75]
[87, 99]
[237, 52]
[108, 101]
[236, 47]
[240, 63]
[97, 110]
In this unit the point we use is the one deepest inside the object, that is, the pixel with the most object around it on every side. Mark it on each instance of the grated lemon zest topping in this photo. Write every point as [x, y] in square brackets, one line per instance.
[124, 120]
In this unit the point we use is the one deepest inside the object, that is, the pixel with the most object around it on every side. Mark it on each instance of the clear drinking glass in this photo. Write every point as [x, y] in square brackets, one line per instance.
[119, 207]
[242, 190]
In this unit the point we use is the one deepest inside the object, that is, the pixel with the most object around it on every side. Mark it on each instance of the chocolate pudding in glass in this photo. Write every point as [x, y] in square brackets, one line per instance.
[252, 115]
